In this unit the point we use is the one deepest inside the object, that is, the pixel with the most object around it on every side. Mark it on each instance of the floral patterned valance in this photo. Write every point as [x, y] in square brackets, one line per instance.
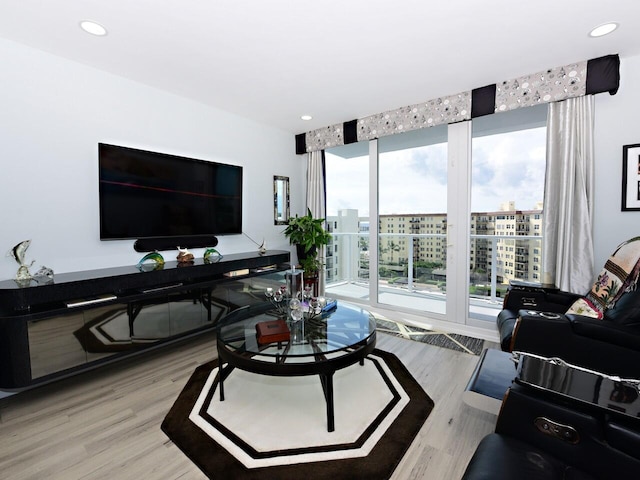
[552, 85]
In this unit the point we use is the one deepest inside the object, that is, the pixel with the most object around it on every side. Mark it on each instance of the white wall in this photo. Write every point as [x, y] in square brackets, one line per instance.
[617, 124]
[53, 114]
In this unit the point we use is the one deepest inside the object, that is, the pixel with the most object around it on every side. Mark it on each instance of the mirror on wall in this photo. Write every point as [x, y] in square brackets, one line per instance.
[280, 200]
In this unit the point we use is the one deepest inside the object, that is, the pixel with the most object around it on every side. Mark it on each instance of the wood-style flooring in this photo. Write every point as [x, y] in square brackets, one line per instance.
[105, 424]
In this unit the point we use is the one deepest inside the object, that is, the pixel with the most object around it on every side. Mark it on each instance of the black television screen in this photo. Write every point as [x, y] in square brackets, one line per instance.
[146, 194]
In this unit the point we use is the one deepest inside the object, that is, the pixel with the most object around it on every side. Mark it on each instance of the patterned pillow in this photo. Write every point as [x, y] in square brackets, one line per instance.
[585, 308]
[618, 276]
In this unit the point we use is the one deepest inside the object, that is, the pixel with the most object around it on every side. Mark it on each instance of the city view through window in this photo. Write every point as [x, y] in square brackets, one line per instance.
[506, 209]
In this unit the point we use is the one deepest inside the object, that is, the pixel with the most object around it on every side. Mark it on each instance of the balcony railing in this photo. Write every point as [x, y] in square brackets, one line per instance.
[494, 257]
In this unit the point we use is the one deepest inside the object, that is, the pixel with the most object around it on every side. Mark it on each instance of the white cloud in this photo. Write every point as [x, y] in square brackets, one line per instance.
[508, 167]
[413, 181]
[505, 167]
[347, 184]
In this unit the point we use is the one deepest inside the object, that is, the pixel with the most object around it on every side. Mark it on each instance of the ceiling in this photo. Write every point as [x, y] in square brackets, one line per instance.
[337, 60]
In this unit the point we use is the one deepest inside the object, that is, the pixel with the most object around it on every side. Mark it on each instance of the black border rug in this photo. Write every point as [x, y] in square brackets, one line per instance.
[216, 462]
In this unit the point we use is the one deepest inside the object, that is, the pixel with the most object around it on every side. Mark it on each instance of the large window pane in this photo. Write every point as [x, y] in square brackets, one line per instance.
[507, 188]
[412, 226]
[347, 265]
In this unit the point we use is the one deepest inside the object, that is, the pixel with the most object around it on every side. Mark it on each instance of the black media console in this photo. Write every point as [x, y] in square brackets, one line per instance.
[83, 319]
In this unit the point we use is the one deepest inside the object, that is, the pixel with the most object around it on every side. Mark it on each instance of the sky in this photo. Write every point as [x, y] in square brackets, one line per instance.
[508, 166]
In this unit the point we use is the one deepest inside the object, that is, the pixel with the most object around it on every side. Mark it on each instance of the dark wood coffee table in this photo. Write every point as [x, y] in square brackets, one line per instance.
[318, 346]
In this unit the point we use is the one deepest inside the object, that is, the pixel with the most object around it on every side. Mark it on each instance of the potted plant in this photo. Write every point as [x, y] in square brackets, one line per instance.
[307, 234]
[310, 265]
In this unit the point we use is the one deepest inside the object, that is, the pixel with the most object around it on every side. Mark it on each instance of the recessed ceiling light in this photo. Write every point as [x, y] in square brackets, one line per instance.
[306, 117]
[603, 29]
[93, 28]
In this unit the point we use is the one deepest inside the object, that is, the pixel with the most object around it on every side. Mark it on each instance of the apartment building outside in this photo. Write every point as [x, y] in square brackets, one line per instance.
[420, 240]
[347, 254]
[517, 258]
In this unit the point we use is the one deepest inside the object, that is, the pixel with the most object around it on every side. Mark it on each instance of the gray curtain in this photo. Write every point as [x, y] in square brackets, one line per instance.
[568, 196]
[316, 201]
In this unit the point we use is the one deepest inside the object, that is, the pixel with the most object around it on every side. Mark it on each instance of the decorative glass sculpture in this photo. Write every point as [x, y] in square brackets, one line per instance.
[18, 253]
[44, 275]
[151, 261]
[211, 255]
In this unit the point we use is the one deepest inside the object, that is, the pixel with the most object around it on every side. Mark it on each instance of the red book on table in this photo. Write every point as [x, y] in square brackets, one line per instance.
[272, 331]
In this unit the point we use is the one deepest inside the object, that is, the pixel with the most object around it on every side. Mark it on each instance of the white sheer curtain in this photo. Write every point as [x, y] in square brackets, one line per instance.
[568, 195]
[316, 201]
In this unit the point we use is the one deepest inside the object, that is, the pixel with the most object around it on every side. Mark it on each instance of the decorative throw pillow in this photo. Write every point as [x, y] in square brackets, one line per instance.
[618, 276]
[585, 308]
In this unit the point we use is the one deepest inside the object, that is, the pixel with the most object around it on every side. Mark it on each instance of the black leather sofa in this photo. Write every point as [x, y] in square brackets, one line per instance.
[533, 320]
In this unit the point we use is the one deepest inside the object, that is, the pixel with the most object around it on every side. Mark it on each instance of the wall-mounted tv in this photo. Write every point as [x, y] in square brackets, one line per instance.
[147, 194]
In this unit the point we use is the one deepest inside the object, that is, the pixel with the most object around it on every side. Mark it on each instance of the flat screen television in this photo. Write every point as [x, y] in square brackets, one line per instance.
[146, 194]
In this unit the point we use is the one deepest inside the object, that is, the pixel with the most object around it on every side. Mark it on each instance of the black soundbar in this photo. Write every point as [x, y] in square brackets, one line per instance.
[172, 243]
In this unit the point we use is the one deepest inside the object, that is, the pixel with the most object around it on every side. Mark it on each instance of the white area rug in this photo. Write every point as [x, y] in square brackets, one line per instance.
[267, 421]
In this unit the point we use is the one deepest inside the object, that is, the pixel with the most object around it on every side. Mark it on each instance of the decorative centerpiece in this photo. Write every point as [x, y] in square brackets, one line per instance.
[299, 311]
[296, 312]
[296, 306]
[293, 308]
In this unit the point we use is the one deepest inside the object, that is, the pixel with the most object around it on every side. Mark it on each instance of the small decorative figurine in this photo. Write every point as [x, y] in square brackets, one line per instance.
[262, 249]
[18, 253]
[211, 255]
[151, 261]
[184, 256]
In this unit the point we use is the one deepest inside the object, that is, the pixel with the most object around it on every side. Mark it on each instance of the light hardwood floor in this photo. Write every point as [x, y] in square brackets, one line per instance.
[105, 424]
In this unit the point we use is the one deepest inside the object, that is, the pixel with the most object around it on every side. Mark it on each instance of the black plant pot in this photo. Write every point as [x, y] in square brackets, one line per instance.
[302, 255]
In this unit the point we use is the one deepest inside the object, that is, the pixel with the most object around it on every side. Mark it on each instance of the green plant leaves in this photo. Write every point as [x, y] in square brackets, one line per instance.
[307, 231]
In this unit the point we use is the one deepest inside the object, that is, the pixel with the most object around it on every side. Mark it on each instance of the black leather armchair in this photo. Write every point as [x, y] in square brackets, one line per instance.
[542, 436]
[533, 320]
[531, 297]
[501, 457]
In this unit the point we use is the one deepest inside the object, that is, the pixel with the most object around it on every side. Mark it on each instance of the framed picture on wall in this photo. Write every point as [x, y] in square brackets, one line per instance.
[631, 177]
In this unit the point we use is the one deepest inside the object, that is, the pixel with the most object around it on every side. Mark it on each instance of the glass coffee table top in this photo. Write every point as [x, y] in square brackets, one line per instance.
[340, 329]
[315, 346]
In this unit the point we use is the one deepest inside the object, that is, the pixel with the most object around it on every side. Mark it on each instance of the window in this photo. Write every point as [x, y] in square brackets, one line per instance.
[408, 166]
[507, 176]
[347, 181]
[508, 166]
